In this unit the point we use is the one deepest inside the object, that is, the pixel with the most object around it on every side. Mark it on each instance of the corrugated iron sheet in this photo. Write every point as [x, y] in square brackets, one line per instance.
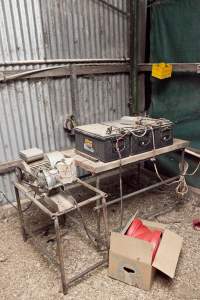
[32, 111]
[38, 29]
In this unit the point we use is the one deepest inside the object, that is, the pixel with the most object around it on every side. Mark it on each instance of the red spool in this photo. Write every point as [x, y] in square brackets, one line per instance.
[135, 225]
[140, 231]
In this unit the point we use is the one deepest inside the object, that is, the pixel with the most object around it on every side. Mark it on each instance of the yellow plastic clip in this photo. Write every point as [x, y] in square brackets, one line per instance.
[162, 70]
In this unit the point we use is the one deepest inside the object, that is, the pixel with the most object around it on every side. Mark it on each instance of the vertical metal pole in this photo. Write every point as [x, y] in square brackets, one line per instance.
[60, 255]
[138, 174]
[98, 215]
[121, 196]
[142, 24]
[182, 160]
[105, 217]
[74, 94]
[134, 5]
[21, 219]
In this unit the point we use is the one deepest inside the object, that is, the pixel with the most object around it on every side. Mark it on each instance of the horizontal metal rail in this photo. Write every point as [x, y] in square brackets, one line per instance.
[177, 67]
[65, 70]
[139, 191]
[88, 270]
[81, 204]
[62, 60]
[23, 189]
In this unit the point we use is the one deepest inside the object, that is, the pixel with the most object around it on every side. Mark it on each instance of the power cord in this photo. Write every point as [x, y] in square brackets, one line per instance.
[120, 177]
[3, 195]
[182, 187]
[83, 222]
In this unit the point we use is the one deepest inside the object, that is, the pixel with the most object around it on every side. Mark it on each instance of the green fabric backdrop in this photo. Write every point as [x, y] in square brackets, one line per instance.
[175, 37]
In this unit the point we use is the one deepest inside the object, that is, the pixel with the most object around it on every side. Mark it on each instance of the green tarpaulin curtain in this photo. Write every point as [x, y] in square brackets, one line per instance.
[175, 37]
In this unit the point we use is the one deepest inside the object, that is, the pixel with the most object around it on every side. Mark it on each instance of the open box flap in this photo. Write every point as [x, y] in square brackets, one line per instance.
[168, 253]
[154, 225]
[131, 248]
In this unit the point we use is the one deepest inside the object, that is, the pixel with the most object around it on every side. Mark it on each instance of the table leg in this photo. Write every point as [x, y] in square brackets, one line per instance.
[105, 217]
[121, 197]
[60, 255]
[182, 160]
[98, 215]
[20, 212]
[138, 174]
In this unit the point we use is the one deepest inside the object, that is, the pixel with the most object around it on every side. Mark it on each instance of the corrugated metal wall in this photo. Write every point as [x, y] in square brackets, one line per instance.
[32, 111]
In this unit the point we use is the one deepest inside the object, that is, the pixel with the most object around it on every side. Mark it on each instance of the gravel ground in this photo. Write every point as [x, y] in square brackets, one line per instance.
[25, 274]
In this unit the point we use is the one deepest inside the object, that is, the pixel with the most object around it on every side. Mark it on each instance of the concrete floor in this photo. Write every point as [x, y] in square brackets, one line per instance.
[26, 275]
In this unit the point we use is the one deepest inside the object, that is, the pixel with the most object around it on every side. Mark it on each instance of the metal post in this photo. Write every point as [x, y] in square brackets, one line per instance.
[142, 25]
[134, 5]
[138, 174]
[182, 160]
[98, 215]
[20, 212]
[60, 255]
[105, 217]
[121, 196]
[74, 94]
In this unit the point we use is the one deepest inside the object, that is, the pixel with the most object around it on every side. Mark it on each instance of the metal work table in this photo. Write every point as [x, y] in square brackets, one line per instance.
[99, 168]
[55, 216]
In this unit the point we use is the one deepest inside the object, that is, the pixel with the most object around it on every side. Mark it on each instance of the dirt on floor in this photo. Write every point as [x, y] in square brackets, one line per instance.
[26, 275]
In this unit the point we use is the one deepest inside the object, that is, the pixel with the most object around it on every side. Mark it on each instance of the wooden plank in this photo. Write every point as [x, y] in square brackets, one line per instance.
[9, 166]
[99, 167]
[78, 70]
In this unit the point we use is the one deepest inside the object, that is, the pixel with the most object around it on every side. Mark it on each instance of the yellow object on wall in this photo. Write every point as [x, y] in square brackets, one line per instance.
[161, 71]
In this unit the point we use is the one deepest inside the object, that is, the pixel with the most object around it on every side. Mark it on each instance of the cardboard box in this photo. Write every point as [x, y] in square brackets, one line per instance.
[130, 259]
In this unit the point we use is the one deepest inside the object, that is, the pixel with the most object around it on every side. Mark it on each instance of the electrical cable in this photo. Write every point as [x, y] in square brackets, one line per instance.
[181, 188]
[138, 135]
[83, 222]
[10, 202]
[6, 198]
[128, 130]
[120, 176]
[195, 170]
[120, 183]
[27, 208]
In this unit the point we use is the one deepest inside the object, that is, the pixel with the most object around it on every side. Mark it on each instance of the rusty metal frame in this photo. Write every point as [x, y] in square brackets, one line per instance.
[145, 189]
[99, 199]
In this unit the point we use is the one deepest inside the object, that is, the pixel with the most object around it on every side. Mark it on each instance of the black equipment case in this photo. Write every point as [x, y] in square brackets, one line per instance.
[94, 141]
[118, 139]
